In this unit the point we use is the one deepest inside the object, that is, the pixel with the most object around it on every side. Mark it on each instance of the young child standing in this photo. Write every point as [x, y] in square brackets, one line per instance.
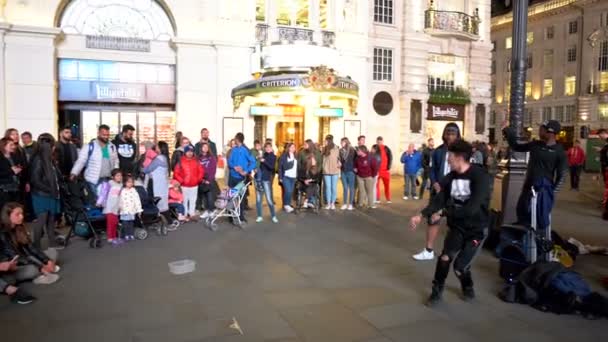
[130, 206]
[111, 207]
[176, 199]
[189, 173]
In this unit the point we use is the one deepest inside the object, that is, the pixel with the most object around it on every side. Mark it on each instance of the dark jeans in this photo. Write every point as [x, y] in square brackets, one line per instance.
[425, 181]
[128, 228]
[575, 176]
[232, 182]
[462, 250]
[44, 222]
[179, 208]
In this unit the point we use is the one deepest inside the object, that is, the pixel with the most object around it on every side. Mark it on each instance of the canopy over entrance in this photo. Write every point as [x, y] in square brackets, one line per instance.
[321, 80]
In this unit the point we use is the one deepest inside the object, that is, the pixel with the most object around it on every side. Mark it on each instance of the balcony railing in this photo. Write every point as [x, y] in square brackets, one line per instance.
[269, 35]
[452, 23]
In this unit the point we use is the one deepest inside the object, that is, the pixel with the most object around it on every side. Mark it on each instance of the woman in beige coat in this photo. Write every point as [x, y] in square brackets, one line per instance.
[331, 171]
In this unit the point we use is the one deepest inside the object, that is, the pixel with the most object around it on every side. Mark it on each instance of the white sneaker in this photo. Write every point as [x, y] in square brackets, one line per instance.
[310, 205]
[275, 220]
[350, 207]
[424, 255]
[204, 215]
[377, 202]
[305, 204]
[405, 198]
[333, 207]
[344, 207]
[259, 219]
[327, 207]
[374, 206]
[389, 202]
[46, 279]
[288, 209]
[416, 197]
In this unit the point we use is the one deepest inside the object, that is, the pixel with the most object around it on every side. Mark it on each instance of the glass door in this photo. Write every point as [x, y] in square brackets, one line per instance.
[145, 129]
[289, 132]
[165, 128]
[90, 122]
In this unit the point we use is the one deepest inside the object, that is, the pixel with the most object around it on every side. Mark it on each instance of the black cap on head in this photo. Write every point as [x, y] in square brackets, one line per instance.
[552, 126]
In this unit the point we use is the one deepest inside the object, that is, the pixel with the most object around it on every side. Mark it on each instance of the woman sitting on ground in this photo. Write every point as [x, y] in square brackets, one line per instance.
[15, 242]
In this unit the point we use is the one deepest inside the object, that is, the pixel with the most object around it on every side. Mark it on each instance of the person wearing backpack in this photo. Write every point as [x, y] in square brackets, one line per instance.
[97, 159]
[366, 167]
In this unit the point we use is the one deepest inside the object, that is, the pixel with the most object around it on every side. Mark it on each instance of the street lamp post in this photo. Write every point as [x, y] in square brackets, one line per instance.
[510, 180]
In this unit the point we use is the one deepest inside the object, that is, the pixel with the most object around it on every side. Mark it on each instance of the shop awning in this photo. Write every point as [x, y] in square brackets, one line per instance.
[319, 79]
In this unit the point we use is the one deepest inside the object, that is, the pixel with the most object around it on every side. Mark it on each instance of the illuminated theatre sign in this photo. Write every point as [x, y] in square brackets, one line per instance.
[447, 112]
[319, 79]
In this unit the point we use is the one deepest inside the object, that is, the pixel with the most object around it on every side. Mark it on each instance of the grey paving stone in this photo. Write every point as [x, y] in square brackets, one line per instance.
[436, 330]
[328, 322]
[366, 297]
[297, 298]
[388, 316]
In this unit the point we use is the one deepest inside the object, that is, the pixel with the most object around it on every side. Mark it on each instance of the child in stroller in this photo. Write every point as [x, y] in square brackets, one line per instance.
[308, 185]
[150, 218]
[228, 205]
[85, 219]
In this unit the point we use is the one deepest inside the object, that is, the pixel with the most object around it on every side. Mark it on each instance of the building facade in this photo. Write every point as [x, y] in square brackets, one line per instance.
[282, 69]
[567, 75]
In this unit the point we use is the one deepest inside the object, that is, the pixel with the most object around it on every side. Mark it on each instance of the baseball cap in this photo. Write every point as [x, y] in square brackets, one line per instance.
[552, 126]
[188, 148]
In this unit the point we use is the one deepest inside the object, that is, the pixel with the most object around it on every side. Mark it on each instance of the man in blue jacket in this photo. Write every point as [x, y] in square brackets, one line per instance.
[412, 163]
[439, 168]
[240, 164]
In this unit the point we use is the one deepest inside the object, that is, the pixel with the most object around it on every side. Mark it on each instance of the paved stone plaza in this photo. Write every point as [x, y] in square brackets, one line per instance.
[345, 276]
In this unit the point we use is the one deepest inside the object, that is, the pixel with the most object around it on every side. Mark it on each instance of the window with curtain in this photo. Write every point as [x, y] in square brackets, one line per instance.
[302, 11]
[323, 13]
[548, 87]
[528, 89]
[284, 12]
[570, 85]
[260, 10]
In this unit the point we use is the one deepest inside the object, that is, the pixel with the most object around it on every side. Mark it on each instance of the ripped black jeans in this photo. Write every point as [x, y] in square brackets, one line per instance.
[462, 249]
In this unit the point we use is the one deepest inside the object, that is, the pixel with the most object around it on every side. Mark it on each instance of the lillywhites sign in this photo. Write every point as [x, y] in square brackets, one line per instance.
[445, 112]
[113, 91]
[118, 43]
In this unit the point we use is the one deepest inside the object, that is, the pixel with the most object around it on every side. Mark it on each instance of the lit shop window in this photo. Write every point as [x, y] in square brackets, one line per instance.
[604, 81]
[144, 19]
[260, 10]
[548, 87]
[570, 85]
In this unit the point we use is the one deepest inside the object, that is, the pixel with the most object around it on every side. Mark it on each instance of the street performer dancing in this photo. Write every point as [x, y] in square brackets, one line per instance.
[463, 197]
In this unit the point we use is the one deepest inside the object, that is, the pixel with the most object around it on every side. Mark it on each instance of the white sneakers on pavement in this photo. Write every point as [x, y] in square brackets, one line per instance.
[46, 279]
[288, 209]
[350, 207]
[344, 207]
[416, 197]
[424, 255]
[405, 198]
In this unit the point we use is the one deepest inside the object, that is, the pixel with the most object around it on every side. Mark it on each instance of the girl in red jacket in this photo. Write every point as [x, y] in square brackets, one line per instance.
[189, 173]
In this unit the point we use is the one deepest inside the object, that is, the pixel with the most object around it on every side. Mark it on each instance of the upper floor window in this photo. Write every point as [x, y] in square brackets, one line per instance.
[604, 19]
[446, 72]
[292, 12]
[546, 114]
[493, 67]
[573, 27]
[493, 45]
[558, 113]
[260, 10]
[508, 43]
[603, 58]
[547, 87]
[528, 89]
[530, 38]
[572, 54]
[570, 111]
[550, 32]
[570, 85]
[383, 11]
[548, 59]
[383, 64]
[529, 61]
[143, 19]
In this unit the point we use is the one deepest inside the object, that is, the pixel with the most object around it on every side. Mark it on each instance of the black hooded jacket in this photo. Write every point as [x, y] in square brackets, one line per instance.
[438, 159]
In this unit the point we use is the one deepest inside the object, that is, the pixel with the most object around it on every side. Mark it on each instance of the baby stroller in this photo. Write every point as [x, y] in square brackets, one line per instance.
[150, 218]
[85, 220]
[228, 204]
[308, 196]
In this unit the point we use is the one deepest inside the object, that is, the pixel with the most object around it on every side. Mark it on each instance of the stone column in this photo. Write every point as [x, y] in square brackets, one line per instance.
[30, 78]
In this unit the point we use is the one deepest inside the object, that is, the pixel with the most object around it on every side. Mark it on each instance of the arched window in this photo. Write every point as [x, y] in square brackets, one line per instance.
[145, 19]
